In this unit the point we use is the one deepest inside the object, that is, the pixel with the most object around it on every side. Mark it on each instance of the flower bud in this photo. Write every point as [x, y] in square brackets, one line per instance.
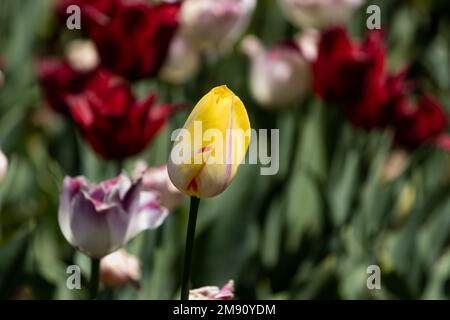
[157, 179]
[182, 62]
[318, 13]
[99, 219]
[213, 142]
[279, 76]
[215, 23]
[82, 55]
[118, 269]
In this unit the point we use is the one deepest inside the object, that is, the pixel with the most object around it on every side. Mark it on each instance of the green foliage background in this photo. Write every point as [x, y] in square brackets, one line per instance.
[309, 232]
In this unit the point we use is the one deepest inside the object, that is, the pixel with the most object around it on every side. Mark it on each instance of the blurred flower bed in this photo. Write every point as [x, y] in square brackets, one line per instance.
[86, 118]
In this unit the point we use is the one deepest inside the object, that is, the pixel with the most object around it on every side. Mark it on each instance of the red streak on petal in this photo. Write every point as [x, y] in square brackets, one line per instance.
[193, 186]
[204, 149]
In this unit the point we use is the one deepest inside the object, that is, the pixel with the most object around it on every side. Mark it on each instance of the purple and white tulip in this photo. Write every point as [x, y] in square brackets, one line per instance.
[99, 219]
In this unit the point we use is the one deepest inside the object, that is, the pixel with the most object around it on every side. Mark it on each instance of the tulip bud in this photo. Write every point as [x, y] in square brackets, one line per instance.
[215, 23]
[280, 76]
[82, 55]
[182, 62]
[118, 269]
[99, 219]
[213, 142]
[213, 293]
[157, 179]
[318, 13]
[3, 166]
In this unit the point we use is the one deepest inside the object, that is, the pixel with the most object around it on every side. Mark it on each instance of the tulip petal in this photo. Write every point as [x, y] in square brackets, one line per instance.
[130, 200]
[213, 179]
[97, 233]
[116, 188]
[71, 186]
[150, 215]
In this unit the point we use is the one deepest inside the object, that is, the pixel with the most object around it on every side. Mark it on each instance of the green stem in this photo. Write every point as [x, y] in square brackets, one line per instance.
[189, 247]
[95, 278]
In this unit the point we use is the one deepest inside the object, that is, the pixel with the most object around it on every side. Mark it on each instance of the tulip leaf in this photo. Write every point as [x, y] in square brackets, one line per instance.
[231, 239]
[271, 236]
[312, 154]
[288, 138]
[432, 236]
[304, 209]
[313, 279]
[437, 287]
[437, 62]
[12, 256]
[342, 191]
[47, 257]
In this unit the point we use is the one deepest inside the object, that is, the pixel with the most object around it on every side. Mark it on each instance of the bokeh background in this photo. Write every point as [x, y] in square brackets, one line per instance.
[344, 198]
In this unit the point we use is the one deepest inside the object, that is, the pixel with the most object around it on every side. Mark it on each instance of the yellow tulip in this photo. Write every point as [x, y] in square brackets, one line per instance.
[209, 149]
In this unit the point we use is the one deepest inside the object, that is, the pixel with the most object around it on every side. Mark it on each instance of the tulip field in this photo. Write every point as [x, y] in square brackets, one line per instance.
[224, 149]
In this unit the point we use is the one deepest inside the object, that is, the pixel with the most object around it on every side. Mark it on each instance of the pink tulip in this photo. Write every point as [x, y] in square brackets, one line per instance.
[118, 269]
[279, 76]
[213, 293]
[156, 179]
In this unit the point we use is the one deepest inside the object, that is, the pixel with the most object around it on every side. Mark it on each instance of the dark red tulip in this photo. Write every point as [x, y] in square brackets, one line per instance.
[132, 37]
[420, 123]
[344, 70]
[369, 111]
[413, 123]
[58, 79]
[111, 120]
